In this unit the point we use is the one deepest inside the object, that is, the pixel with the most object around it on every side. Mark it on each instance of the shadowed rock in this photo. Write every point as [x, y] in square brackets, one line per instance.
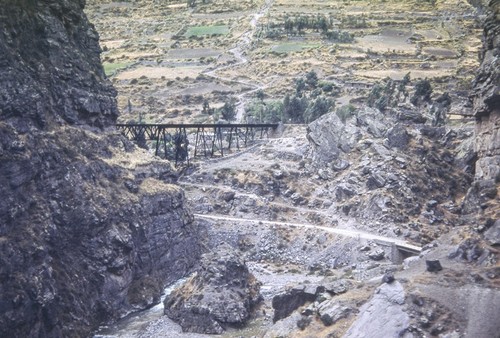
[221, 293]
[433, 265]
[84, 238]
[284, 304]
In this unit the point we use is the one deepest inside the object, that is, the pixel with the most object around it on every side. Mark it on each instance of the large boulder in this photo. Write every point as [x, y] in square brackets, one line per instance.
[221, 293]
[287, 302]
[331, 311]
[384, 314]
[330, 137]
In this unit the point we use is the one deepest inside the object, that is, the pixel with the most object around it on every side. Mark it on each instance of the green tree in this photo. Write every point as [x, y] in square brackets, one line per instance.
[345, 112]
[294, 108]
[273, 113]
[312, 79]
[300, 85]
[206, 108]
[266, 112]
[440, 109]
[289, 25]
[402, 87]
[228, 110]
[423, 91]
[260, 94]
[323, 24]
[382, 94]
[320, 106]
[375, 94]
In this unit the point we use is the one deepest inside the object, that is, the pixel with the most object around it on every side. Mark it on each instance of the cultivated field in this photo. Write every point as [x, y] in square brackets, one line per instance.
[169, 58]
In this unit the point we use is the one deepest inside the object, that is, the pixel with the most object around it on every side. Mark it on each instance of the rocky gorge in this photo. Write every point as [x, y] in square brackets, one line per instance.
[296, 236]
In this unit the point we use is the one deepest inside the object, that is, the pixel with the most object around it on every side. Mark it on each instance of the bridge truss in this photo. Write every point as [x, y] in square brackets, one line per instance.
[172, 141]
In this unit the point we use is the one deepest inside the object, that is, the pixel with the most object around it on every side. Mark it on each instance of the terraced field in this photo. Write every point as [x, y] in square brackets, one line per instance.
[168, 58]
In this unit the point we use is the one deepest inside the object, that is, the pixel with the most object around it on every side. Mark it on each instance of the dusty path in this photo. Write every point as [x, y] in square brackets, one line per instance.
[243, 44]
[343, 232]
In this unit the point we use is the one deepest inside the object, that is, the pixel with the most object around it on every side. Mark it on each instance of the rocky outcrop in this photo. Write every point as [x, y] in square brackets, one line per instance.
[221, 293]
[492, 235]
[381, 169]
[486, 95]
[284, 304]
[383, 314]
[50, 66]
[90, 227]
[316, 299]
[483, 196]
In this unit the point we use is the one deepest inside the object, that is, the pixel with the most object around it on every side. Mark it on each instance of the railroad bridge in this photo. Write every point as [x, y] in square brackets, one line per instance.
[176, 141]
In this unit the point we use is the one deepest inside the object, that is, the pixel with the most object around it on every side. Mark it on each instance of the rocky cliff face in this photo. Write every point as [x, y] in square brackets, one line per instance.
[50, 65]
[90, 227]
[486, 98]
[483, 194]
[397, 176]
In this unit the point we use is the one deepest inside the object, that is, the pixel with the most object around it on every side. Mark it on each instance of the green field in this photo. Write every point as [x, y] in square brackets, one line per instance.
[292, 47]
[206, 30]
[111, 68]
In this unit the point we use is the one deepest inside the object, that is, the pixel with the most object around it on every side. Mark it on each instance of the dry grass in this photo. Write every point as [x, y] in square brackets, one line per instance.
[132, 160]
[154, 186]
[161, 72]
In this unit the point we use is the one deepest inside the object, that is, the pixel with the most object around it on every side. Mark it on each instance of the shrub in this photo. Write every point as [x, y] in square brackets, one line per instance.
[345, 112]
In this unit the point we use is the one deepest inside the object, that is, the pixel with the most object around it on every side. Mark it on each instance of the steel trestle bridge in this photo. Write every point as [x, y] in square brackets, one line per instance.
[172, 141]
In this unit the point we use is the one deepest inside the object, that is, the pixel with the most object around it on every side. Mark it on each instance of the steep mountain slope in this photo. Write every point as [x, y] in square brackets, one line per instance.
[50, 65]
[90, 227]
[486, 97]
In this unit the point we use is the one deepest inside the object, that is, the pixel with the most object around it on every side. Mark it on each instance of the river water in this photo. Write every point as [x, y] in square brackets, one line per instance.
[151, 323]
[136, 324]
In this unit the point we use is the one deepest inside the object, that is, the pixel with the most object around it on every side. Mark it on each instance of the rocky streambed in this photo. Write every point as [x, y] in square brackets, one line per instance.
[282, 289]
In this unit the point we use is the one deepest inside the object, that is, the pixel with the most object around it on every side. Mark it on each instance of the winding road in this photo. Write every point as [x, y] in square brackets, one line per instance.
[342, 232]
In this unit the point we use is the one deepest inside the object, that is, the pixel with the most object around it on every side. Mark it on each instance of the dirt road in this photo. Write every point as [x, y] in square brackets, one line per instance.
[343, 232]
[242, 45]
